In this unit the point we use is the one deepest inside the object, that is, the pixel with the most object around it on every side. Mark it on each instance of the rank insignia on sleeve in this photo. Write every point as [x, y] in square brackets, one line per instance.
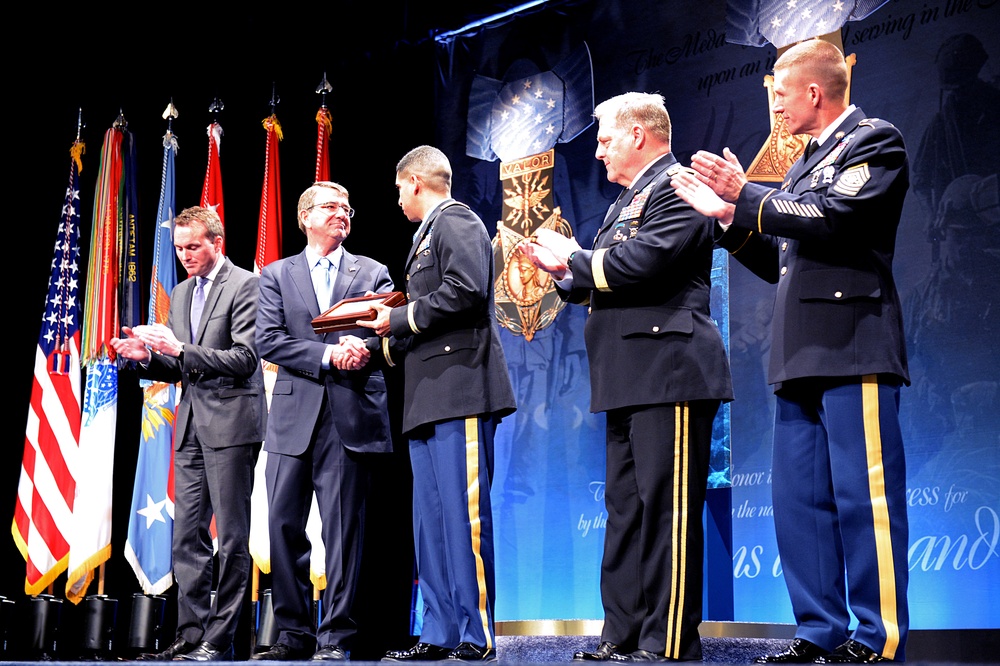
[852, 180]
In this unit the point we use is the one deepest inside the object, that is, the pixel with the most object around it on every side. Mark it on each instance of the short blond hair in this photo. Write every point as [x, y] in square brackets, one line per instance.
[819, 62]
[206, 218]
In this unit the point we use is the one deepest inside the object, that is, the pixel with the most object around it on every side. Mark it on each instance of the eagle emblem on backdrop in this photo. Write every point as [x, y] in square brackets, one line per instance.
[519, 121]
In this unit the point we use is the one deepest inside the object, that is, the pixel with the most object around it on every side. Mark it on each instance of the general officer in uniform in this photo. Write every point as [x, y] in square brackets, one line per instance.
[658, 368]
[838, 357]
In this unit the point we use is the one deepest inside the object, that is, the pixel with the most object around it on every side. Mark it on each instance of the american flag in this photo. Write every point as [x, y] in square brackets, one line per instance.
[44, 511]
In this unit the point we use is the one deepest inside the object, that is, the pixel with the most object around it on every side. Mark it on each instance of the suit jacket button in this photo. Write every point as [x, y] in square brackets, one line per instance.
[838, 294]
[784, 269]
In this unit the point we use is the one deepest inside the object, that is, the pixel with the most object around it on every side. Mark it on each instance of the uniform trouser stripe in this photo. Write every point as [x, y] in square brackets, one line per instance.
[880, 515]
[472, 476]
[678, 554]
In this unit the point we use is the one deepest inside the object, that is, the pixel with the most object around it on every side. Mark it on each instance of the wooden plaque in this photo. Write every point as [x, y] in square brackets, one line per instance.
[344, 314]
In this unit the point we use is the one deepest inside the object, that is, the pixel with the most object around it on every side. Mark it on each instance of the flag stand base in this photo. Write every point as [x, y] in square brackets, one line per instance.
[146, 625]
[267, 627]
[98, 627]
[6, 628]
[37, 639]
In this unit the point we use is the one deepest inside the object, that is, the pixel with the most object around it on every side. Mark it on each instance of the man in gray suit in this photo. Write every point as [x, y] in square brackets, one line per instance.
[208, 346]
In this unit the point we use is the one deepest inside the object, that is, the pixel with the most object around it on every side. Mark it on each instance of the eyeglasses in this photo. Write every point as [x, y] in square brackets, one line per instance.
[334, 207]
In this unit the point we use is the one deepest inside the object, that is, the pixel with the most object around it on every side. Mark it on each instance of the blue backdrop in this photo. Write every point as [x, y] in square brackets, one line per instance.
[930, 68]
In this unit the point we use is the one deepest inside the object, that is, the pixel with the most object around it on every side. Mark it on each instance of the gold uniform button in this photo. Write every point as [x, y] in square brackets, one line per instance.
[656, 329]
[784, 246]
[838, 294]
[784, 269]
[447, 348]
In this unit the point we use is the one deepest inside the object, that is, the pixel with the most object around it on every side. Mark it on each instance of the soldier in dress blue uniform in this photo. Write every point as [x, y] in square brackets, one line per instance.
[838, 357]
[456, 390]
[659, 371]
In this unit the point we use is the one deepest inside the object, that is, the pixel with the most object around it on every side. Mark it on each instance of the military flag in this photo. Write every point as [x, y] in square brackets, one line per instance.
[43, 512]
[129, 298]
[268, 250]
[324, 130]
[151, 522]
[269, 222]
[90, 542]
[211, 191]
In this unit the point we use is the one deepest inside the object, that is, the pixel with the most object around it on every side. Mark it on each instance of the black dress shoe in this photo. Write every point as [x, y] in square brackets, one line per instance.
[602, 653]
[175, 649]
[471, 652]
[851, 652]
[207, 652]
[419, 652]
[638, 655]
[281, 652]
[330, 653]
[800, 651]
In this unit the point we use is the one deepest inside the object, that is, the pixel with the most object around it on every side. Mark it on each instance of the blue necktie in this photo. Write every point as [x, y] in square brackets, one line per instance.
[197, 305]
[323, 281]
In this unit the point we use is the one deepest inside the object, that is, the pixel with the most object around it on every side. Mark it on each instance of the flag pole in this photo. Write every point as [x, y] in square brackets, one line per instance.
[324, 129]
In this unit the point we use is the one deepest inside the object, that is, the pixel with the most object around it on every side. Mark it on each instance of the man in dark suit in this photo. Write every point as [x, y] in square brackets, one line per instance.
[838, 357]
[328, 409]
[659, 371]
[456, 390]
[208, 346]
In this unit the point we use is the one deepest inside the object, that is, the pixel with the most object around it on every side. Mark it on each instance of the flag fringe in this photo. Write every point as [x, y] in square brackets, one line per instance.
[80, 578]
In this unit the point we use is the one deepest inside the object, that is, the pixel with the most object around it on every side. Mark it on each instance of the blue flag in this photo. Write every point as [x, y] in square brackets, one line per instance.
[151, 522]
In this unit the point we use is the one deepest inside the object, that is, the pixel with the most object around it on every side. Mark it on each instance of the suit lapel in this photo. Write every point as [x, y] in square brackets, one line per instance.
[345, 276]
[299, 270]
[184, 293]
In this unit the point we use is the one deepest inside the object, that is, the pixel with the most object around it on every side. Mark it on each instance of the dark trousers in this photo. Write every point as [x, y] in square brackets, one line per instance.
[651, 572]
[211, 481]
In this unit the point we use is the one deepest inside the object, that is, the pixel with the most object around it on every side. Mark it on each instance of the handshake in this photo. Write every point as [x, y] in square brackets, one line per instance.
[350, 353]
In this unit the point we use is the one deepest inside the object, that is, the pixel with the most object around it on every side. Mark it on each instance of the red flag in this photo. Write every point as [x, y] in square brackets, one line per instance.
[324, 128]
[211, 192]
[43, 513]
[269, 222]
